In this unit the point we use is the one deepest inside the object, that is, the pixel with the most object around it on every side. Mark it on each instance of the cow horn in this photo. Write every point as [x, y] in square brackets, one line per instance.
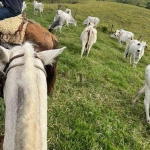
[75, 14]
[139, 37]
[111, 28]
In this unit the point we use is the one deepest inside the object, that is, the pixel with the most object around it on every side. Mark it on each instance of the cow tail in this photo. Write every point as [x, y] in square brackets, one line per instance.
[89, 37]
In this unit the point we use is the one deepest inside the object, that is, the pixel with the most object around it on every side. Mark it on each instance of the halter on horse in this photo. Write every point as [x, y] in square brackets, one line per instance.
[25, 96]
[30, 31]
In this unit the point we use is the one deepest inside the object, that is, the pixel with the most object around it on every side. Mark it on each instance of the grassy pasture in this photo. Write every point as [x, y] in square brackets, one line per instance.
[91, 106]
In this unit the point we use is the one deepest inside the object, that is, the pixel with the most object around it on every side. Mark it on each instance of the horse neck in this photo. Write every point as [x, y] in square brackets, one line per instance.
[27, 123]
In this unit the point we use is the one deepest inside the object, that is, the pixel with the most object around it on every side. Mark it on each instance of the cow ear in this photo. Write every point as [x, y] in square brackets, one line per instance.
[146, 46]
[4, 54]
[48, 56]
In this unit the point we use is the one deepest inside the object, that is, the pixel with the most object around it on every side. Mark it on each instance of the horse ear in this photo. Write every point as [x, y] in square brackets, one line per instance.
[48, 56]
[4, 54]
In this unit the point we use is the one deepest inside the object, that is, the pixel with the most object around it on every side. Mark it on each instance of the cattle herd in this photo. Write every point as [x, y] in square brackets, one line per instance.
[134, 47]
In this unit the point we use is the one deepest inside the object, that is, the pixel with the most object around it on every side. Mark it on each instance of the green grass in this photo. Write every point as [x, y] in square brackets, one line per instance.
[91, 105]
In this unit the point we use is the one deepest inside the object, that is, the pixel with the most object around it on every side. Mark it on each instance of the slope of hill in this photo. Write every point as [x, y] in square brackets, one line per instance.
[133, 2]
[91, 106]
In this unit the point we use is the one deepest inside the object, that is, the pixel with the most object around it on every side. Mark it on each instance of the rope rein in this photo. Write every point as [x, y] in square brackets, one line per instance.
[7, 67]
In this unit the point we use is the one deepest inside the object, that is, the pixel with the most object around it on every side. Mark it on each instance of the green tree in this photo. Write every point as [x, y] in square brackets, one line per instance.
[148, 5]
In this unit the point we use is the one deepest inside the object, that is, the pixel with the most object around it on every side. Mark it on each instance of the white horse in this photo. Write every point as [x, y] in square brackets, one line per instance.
[38, 7]
[25, 97]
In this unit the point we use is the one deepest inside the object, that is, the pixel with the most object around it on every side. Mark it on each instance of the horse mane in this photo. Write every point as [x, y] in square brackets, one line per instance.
[27, 123]
[45, 40]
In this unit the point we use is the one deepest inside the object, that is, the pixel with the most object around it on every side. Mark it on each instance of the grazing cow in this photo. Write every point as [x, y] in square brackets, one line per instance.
[146, 89]
[57, 24]
[24, 6]
[25, 98]
[60, 18]
[67, 16]
[38, 7]
[135, 50]
[88, 38]
[94, 20]
[122, 36]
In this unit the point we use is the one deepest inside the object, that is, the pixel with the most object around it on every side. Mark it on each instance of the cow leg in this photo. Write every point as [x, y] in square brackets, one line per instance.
[138, 94]
[89, 48]
[147, 103]
[120, 43]
[83, 48]
[135, 62]
[59, 31]
[130, 59]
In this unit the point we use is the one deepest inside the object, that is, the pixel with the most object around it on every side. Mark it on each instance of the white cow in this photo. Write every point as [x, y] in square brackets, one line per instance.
[122, 36]
[24, 6]
[38, 7]
[66, 15]
[135, 50]
[1, 5]
[57, 24]
[60, 19]
[146, 89]
[94, 20]
[88, 38]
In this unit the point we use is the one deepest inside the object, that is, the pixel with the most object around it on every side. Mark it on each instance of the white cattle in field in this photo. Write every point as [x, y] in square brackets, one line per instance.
[88, 38]
[146, 89]
[57, 24]
[38, 7]
[122, 36]
[24, 6]
[60, 19]
[135, 49]
[66, 15]
[94, 20]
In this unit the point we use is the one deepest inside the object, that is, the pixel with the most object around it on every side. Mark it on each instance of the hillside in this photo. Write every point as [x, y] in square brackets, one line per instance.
[133, 2]
[91, 106]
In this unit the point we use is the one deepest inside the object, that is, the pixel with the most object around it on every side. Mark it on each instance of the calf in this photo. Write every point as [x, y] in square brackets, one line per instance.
[146, 89]
[88, 38]
[135, 50]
